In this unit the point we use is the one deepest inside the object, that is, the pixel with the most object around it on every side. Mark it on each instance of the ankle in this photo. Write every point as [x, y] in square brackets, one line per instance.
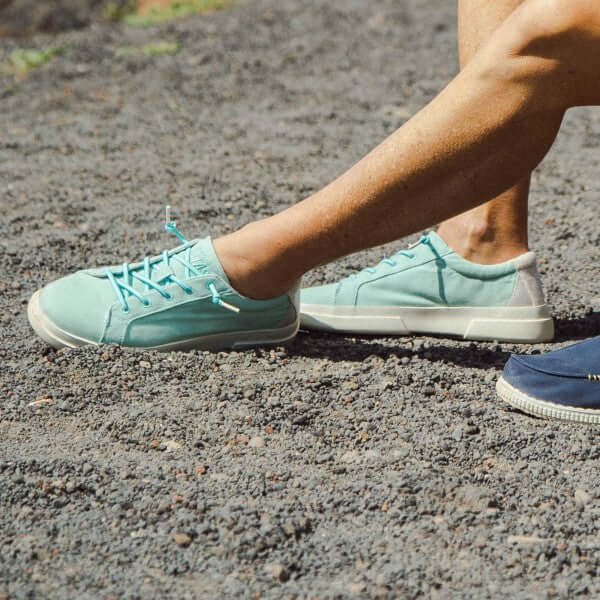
[481, 242]
[251, 269]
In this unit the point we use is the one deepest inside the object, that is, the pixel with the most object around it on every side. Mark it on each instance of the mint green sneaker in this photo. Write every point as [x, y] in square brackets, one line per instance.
[431, 289]
[179, 300]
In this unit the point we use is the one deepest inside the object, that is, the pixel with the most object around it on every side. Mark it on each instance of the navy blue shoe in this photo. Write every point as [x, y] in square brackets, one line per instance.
[564, 384]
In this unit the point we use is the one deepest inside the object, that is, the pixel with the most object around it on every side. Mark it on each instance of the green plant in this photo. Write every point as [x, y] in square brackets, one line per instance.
[160, 48]
[22, 61]
[117, 11]
[176, 10]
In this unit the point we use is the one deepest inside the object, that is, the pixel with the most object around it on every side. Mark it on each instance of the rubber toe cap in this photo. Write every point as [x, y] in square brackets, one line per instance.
[78, 304]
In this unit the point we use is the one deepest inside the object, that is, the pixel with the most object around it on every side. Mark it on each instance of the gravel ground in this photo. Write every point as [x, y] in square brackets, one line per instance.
[334, 467]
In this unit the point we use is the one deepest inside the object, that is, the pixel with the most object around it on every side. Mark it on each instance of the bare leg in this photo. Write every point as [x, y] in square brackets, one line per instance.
[495, 231]
[484, 133]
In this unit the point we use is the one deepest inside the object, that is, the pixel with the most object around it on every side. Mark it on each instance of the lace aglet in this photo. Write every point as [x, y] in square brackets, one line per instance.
[171, 226]
[231, 307]
[216, 299]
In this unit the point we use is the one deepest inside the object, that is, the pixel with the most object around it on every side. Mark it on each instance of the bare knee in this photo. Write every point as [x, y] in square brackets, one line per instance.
[552, 48]
[562, 30]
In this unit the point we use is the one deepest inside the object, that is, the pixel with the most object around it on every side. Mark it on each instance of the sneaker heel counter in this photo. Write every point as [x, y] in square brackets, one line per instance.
[294, 296]
[529, 290]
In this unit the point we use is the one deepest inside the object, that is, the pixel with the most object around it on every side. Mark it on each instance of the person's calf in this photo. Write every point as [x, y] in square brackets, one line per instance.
[497, 230]
[486, 131]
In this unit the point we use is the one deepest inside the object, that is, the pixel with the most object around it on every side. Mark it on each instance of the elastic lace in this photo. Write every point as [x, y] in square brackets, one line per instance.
[123, 282]
[392, 261]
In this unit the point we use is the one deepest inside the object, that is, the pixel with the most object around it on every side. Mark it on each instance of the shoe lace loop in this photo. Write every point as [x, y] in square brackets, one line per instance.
[123, 282]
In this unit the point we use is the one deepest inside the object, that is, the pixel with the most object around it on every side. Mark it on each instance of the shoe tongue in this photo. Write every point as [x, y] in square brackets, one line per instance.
[200, 255]
[203, 256]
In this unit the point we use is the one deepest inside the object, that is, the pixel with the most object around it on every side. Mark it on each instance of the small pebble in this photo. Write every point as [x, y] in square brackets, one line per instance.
[257, 442]
[182, 539]
[277, 571]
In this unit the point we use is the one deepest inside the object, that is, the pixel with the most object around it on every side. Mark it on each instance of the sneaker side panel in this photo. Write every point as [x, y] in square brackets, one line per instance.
[199, 318]
[437, 284]
[444, 297]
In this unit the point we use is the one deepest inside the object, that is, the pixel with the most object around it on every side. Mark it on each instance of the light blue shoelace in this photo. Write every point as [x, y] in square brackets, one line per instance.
[424, 239]
[122, 283]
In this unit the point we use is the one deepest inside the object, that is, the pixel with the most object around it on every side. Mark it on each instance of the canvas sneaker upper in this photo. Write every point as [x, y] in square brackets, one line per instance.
[172, 299]
[432, 274]
[430, 288]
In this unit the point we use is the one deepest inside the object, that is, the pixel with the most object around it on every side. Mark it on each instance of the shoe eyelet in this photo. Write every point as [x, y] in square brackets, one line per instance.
[125, 310]
[147, 303]
[169, 297]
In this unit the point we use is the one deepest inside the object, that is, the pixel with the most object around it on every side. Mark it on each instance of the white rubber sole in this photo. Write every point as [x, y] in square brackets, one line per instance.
[59, 338]
[527, 324]
[543, 409]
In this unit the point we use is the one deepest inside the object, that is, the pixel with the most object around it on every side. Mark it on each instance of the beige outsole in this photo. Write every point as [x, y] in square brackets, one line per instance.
[521, 325]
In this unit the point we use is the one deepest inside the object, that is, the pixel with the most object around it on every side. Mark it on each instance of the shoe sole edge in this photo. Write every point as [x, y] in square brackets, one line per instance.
[543, 409]
[530, 324]
[59, 338]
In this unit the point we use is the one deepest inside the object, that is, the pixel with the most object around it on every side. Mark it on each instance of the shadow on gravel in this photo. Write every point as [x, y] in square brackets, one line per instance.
[337, 348]
[577, 329]
[468, 354]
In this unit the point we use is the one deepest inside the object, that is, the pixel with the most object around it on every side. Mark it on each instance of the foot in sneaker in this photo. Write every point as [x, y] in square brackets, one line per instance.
[181, 299]
[431, 289]
[564, 384]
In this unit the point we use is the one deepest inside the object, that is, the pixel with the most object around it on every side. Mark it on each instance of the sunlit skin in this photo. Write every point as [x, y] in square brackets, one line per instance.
[497, 230]
[485, 132]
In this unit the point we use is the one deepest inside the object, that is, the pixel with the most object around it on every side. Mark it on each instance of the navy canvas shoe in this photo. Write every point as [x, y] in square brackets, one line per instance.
[564, 384]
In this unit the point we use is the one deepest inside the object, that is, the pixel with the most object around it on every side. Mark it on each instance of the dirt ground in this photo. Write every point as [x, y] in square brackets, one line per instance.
[334, 467]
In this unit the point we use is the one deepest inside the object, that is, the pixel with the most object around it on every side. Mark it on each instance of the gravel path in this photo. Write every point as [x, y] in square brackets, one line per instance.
[334, 467]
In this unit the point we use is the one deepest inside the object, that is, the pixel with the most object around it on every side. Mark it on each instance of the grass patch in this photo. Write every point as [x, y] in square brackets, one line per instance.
[161, 48]
[21, 62]
[177, 10]
[116, 11]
